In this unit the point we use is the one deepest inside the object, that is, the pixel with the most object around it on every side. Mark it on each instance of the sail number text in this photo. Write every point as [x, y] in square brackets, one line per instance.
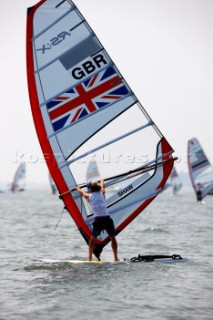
[89, 66]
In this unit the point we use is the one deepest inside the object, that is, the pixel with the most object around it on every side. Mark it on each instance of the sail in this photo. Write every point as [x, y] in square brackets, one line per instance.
[84, 110]
[92, 171]
[200, 169]
[52, 185]
[175, 181]
[19, 180]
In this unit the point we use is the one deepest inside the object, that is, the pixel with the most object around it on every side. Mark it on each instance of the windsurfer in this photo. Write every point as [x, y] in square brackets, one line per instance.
[103, 221]
[198, 189]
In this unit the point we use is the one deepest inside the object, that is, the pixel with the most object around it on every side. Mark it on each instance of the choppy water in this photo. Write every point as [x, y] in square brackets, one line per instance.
[31, 289]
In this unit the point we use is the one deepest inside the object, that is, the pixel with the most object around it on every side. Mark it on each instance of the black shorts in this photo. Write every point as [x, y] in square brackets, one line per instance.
[103, 223]
[199, 195]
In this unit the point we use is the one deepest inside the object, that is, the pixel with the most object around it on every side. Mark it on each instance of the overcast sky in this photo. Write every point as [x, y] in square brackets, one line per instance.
[163, 48]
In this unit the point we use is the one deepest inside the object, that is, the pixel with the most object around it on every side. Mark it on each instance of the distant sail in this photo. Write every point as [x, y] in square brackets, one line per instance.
[200, 170]
[175, 181]
[83, 107]
[52, 185]
[94, 174]
[19, 180]
[92, 171]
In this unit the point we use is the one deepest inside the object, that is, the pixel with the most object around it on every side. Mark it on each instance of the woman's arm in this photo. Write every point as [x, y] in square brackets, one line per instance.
[102, 186]
[82, 193]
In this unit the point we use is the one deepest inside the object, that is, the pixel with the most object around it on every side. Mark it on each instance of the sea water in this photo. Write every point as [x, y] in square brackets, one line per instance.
[31, 288]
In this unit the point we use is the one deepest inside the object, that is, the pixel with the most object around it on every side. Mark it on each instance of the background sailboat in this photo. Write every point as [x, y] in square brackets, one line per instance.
[19, 180]
[52, 185]
[200, 170]
[92, 171]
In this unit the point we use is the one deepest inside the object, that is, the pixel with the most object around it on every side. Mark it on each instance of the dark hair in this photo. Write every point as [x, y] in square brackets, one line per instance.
[95, 186]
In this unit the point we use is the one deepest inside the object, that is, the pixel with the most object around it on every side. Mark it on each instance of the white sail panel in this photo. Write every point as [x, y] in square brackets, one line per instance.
[112, 154]
[50, 88]
[47, 8]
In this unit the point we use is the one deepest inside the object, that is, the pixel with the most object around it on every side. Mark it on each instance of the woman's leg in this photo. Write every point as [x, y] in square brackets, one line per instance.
[91, 247]
[114, 248]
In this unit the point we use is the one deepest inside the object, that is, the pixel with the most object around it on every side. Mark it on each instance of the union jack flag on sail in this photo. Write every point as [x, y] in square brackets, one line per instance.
[100, 90]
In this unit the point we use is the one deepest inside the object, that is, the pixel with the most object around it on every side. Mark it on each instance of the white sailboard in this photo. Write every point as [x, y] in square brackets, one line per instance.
[19, 180]
[200, 170]
[161, 259]
[72, 261]
[83, 107]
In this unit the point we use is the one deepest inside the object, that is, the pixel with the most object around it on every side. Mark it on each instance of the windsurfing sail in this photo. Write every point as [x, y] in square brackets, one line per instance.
[175, 181]
[92, 171]
[19, 180]
[83, 109]
[52, 185]
[200, 170]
